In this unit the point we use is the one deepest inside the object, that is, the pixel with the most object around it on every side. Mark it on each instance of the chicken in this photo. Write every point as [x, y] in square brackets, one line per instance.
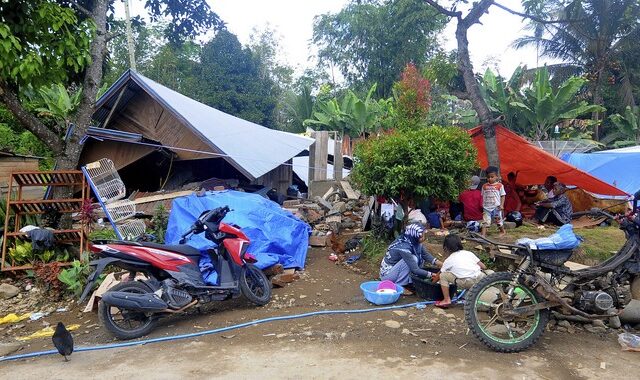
[341, 245]
[63, 341]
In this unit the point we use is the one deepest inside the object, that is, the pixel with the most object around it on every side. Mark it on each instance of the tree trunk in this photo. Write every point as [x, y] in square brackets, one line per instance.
[10, 99]
[472, 89]
[598, 100]
[92, 78]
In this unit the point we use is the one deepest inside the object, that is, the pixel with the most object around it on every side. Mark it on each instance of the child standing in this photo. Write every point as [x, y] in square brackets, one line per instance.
[493, 195]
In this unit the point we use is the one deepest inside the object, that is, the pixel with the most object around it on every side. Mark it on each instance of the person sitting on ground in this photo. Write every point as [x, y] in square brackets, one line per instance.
[548, 185]
[492, 201]
[405, 256]
[415, 214]
[434, 218]
[557, 210]
[471, 200]
[512, 200]
[461, 267]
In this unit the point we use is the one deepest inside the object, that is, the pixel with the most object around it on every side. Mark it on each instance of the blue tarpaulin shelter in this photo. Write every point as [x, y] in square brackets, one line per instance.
[618, 168]
[276, 235]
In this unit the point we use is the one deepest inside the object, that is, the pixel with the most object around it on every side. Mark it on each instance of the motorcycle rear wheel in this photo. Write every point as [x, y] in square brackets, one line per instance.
[126, 324]
[255, 285]
[482, 311]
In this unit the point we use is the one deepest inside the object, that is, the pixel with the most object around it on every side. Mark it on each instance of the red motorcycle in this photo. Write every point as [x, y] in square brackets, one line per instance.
[174, 282]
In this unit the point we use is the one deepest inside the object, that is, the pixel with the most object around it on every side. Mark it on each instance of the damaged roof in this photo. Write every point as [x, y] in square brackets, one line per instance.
[254, 149]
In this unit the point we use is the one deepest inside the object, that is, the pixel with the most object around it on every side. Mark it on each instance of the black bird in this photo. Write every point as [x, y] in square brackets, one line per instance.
[63, 341]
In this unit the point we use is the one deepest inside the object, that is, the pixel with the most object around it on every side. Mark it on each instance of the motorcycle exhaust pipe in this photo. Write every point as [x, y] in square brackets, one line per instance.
[148, 302]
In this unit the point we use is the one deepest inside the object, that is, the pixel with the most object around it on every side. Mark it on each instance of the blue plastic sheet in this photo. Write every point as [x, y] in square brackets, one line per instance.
[276, 235]
[564, 238]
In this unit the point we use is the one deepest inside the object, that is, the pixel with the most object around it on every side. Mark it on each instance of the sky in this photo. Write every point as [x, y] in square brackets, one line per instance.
[292, 20]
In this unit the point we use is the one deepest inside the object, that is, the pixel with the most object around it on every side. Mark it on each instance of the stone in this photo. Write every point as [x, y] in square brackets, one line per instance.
[318, 241]
[439, 311]
[302, 296]
[338, 208]
[631, 313]
[595, 330]
[9, 348]
[400, 313]
[564, 323]
[614, 322]
[8, 291]
[598, 323]
[392, 324]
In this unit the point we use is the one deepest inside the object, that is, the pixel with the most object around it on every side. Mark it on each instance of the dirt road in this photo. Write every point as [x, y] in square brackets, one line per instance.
[428, 342]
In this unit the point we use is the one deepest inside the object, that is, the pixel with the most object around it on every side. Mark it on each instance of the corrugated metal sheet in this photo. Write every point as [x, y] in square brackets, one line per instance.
[252, 147]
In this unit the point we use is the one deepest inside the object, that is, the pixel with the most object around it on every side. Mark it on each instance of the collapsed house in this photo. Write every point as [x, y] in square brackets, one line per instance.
[159, 139]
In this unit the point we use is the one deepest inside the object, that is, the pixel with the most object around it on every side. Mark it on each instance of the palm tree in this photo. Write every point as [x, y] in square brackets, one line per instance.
[592, 43]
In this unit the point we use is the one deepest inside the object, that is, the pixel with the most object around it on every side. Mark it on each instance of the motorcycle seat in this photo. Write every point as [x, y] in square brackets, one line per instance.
[182, 249]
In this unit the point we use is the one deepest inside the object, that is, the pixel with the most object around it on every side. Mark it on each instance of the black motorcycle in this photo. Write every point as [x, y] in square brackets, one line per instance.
[508, 311]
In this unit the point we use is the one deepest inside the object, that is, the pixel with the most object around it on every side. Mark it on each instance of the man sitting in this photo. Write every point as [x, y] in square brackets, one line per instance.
[556, 210]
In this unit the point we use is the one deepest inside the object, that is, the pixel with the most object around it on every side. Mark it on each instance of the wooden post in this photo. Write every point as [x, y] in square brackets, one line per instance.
[337, 158]
[318, 156]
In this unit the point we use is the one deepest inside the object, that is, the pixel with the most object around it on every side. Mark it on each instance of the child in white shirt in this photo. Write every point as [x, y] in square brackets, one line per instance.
[461, 267]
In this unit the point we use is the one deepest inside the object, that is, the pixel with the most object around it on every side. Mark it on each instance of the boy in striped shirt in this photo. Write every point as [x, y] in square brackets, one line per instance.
[493, 195]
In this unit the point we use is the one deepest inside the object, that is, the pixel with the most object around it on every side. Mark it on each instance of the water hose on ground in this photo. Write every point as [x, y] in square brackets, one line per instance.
[223, 329]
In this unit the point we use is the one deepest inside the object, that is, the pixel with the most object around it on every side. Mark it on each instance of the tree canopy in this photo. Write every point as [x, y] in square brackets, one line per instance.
[371, 41]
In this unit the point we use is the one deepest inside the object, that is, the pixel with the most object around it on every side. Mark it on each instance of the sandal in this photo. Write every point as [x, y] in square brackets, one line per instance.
[442, 304]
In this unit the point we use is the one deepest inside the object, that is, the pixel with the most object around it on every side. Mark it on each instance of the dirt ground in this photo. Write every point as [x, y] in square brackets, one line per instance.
[428, 342]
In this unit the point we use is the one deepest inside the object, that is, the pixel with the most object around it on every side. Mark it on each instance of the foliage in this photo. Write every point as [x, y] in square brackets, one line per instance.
[22, 253]
[75, 277]
[88, 215]
[46, 276]
[56, 102]
[413, 97]
[298, 108]
[230, 79]
[41, 42]
[415, 164]
[159, 222]
[371, 41]
[535, 109]
[598, 43]
[374, 248]
[627, 131]
[106, 233]
[352, 115]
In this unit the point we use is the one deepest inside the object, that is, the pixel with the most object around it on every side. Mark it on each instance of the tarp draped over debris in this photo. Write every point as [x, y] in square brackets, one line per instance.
[534, 165]
[612, 166]
[276, 235]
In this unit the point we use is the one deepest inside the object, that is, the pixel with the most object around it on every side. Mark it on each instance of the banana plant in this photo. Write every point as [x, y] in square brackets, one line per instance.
[544, 107]
[55, 102]
[627, 131]
[352, 115]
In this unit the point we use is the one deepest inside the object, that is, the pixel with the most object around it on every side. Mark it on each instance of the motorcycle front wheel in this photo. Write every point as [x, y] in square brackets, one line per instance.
[484, 311]
[255, 285]
[123, 323]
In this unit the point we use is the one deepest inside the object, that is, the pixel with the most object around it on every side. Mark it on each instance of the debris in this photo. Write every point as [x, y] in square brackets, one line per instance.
[392, 324]
[349, 190]
[38, 315]
[302, 296]
[409, 332]
[45, 332]
[228, 336]
[8, 291]
[400, 313]
[333, 257]
[62, 309]
[629, 342]
[461, 347]
[9, 348]
[318, 241]
[272, 334]
[603, 365]
[12, 318]
[421, 306]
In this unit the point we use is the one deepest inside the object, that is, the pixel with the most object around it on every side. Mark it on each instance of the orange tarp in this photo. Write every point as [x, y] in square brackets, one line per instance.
[534, 164]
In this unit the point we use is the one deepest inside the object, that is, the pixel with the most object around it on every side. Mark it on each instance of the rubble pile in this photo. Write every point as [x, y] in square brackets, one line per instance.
[340, 211]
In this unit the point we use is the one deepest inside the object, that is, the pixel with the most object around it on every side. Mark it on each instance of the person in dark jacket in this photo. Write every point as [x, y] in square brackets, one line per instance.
[406, 255]
[557, 210]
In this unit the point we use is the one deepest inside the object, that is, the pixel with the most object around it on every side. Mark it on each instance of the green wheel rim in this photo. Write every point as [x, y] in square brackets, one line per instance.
[519, 291]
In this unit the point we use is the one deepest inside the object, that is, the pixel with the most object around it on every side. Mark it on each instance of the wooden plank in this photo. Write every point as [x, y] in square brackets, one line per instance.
[329, 192]
[349, 190]
[160, 197]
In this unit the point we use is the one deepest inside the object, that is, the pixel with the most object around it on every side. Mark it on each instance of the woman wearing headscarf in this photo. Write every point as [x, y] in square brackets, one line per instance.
[406, 255]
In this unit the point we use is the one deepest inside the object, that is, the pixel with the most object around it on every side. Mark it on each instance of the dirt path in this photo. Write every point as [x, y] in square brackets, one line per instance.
[429, 342]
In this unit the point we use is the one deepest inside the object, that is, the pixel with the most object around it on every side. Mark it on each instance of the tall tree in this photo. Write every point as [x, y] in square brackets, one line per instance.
[232, 80]
[593, 43]
[74, 52]
[371, 41]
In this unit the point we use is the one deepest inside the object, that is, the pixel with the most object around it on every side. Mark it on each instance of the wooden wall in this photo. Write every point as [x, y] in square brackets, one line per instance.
[145, 116]
[122, 154]
[279, 178]
[17, 164]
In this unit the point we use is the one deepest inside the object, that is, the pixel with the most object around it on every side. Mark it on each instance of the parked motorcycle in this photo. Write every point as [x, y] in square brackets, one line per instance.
[174, 282]
[508, 311]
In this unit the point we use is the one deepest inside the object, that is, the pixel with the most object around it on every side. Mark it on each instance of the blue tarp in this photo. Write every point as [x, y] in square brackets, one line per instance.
[617, 169]
[276, 235]
[564, 238]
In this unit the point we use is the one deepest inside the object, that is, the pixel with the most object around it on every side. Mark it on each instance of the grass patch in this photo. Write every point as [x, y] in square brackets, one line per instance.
[373, 249]
[599, 243]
